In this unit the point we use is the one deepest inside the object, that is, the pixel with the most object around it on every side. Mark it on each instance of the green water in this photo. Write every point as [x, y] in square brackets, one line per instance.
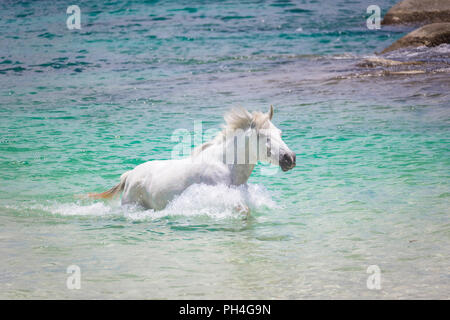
[79, 108]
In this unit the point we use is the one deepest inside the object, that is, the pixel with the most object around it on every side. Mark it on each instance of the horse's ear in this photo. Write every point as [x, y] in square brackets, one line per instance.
[271, 112]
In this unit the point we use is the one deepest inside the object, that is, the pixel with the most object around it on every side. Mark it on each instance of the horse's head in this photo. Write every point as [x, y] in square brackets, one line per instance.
[264, 139]
[277, 152]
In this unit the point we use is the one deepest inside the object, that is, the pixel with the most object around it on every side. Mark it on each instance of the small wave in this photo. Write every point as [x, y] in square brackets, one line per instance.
[423, 53]
[71, 209]
[405, 62]
[67, 209]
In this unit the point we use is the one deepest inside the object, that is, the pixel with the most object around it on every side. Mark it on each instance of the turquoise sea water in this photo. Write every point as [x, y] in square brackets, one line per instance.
[80, 107]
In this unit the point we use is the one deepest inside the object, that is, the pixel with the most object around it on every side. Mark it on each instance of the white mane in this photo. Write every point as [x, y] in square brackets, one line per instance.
[235, 119]
[239, 118]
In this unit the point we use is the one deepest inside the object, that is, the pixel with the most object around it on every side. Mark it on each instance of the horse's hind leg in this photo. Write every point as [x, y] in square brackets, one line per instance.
[133, 195]
[138, 195]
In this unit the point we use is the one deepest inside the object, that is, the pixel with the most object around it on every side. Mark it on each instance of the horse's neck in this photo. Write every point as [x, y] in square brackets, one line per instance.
[239, 172]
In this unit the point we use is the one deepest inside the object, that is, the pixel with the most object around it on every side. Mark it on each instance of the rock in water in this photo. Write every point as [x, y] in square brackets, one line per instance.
[381, 62]
[418, 12]
[430, 35]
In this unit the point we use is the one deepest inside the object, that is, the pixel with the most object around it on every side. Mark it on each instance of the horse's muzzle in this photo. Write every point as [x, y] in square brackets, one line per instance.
[287, 161]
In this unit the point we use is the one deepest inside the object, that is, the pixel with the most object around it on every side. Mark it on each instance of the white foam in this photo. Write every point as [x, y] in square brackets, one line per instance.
[68, 209]
[421, 51]
[218, 202]
[442, 48]
[72, 209]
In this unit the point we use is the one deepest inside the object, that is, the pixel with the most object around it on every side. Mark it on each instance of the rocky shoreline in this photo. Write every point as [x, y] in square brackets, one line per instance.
[432, 18]
[418, 12]
[430, 35]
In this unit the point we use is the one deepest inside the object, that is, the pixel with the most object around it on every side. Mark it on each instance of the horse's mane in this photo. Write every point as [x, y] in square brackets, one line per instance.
[236, 119]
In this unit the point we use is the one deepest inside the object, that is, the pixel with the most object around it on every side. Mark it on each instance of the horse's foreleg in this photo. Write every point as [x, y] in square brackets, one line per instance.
[243, 209]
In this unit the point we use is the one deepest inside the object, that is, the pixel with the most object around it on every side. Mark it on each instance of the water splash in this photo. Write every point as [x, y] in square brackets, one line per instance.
[217, 202]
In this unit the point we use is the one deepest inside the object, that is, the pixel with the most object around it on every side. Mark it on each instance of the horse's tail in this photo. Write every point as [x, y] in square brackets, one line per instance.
[111, 192]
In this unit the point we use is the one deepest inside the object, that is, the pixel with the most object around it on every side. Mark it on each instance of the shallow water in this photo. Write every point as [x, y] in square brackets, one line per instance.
[78, 108]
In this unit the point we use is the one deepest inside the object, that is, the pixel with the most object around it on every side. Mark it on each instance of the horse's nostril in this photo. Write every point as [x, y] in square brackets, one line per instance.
[286, 160]
[294, 158]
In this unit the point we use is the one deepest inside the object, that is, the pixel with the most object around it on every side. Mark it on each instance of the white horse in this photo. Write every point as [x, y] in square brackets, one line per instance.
[220, 161]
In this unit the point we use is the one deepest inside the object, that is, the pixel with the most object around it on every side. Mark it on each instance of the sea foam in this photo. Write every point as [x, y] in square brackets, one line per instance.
[218, 202]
